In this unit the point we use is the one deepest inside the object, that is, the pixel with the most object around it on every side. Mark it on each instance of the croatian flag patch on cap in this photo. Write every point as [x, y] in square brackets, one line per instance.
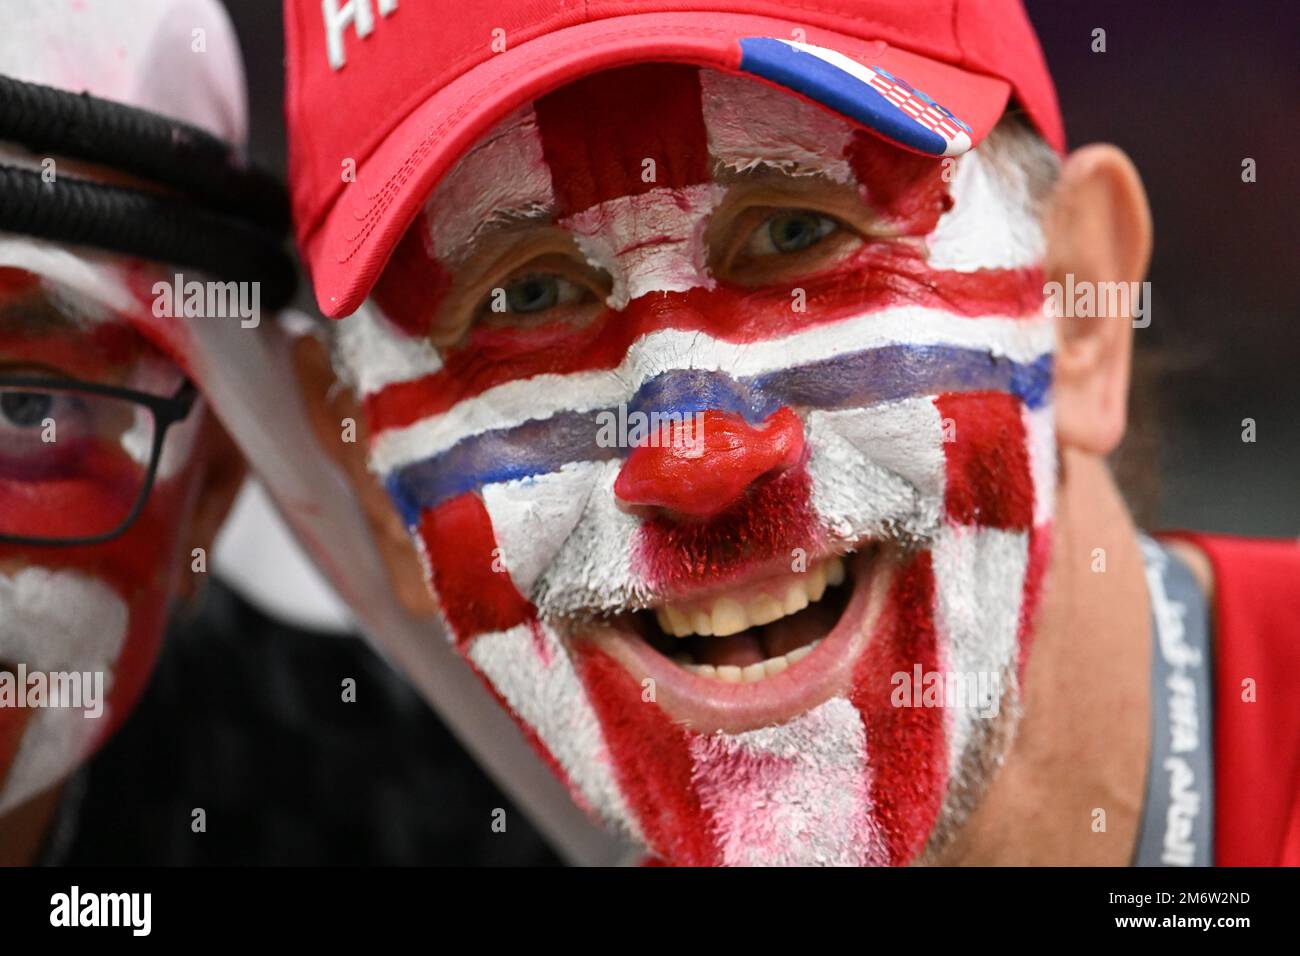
[868, 95]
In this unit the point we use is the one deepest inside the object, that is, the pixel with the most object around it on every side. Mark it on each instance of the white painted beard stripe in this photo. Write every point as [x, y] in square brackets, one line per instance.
[650, 242]
[57, 621]
[504, 176]
[794, 795]
[516, 402]
[979, 576]
[60, 620]
[55, 741]
[546, 694]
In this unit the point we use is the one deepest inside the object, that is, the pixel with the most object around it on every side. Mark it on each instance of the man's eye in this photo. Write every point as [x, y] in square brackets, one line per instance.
[29, 411]
[25, 409]
[533, 294]
[790, 232]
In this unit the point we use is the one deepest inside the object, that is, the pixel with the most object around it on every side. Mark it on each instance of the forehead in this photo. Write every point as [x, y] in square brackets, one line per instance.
[45, 323]
[626, 132]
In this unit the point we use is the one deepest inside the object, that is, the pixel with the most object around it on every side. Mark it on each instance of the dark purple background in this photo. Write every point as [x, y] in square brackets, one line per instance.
[1188, 89]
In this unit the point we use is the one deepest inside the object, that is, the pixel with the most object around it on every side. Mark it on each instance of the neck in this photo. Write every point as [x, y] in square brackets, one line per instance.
[23, 829]
[1082, 744]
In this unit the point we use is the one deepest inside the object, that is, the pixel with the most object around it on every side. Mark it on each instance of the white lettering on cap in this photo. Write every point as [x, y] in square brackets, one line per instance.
[339, 15]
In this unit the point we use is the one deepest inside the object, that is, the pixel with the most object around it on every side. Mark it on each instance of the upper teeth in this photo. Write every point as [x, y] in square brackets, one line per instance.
[728, 614]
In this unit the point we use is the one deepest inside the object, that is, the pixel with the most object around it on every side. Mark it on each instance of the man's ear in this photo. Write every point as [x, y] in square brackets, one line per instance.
[330, 404]
[1098, 231]
[223, 475]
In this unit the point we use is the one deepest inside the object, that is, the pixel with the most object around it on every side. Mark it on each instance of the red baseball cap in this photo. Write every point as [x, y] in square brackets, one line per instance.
[383, 96]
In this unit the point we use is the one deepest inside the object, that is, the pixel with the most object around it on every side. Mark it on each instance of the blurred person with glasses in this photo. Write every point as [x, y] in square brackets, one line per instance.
[114, 476]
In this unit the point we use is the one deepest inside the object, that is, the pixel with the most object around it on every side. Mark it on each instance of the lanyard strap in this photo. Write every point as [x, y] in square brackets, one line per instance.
[1177, 826]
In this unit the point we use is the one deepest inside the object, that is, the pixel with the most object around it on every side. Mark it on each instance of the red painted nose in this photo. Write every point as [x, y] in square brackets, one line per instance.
[701, 473]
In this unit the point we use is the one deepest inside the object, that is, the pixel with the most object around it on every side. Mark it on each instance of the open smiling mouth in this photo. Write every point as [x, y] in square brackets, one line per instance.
[756, 653]
[752, 633]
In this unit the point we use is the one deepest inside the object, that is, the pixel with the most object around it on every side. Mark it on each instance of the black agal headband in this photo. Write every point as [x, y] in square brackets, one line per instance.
[215, 213]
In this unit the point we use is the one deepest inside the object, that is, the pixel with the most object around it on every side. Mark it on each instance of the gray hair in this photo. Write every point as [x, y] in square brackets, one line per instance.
[1014, 151]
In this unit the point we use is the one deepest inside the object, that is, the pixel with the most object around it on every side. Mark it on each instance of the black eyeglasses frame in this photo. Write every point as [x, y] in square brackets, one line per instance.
[166, 411]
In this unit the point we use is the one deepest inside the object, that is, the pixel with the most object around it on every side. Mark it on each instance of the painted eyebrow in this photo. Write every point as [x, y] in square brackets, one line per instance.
[764, 171]
[502, 221]
[33, 310]
[49, 307]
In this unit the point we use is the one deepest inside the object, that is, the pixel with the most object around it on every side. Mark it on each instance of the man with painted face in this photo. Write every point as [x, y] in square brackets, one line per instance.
[112, 471]
[706, 377]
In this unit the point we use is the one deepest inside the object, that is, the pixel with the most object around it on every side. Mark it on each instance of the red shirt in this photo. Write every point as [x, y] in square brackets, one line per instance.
[1256, 640]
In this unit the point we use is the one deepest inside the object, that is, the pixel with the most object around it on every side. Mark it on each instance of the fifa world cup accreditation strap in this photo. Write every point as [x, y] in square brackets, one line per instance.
[1178, 814]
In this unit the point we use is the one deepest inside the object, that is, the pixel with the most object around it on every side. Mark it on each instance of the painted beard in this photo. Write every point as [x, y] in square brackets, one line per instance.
[97, 609]
[739, 648]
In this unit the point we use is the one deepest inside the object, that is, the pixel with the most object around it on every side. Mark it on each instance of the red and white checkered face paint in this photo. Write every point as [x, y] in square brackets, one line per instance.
[758, 645]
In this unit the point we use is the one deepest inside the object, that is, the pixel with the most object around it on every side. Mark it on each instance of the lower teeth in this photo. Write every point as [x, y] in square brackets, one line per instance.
[734, 674]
